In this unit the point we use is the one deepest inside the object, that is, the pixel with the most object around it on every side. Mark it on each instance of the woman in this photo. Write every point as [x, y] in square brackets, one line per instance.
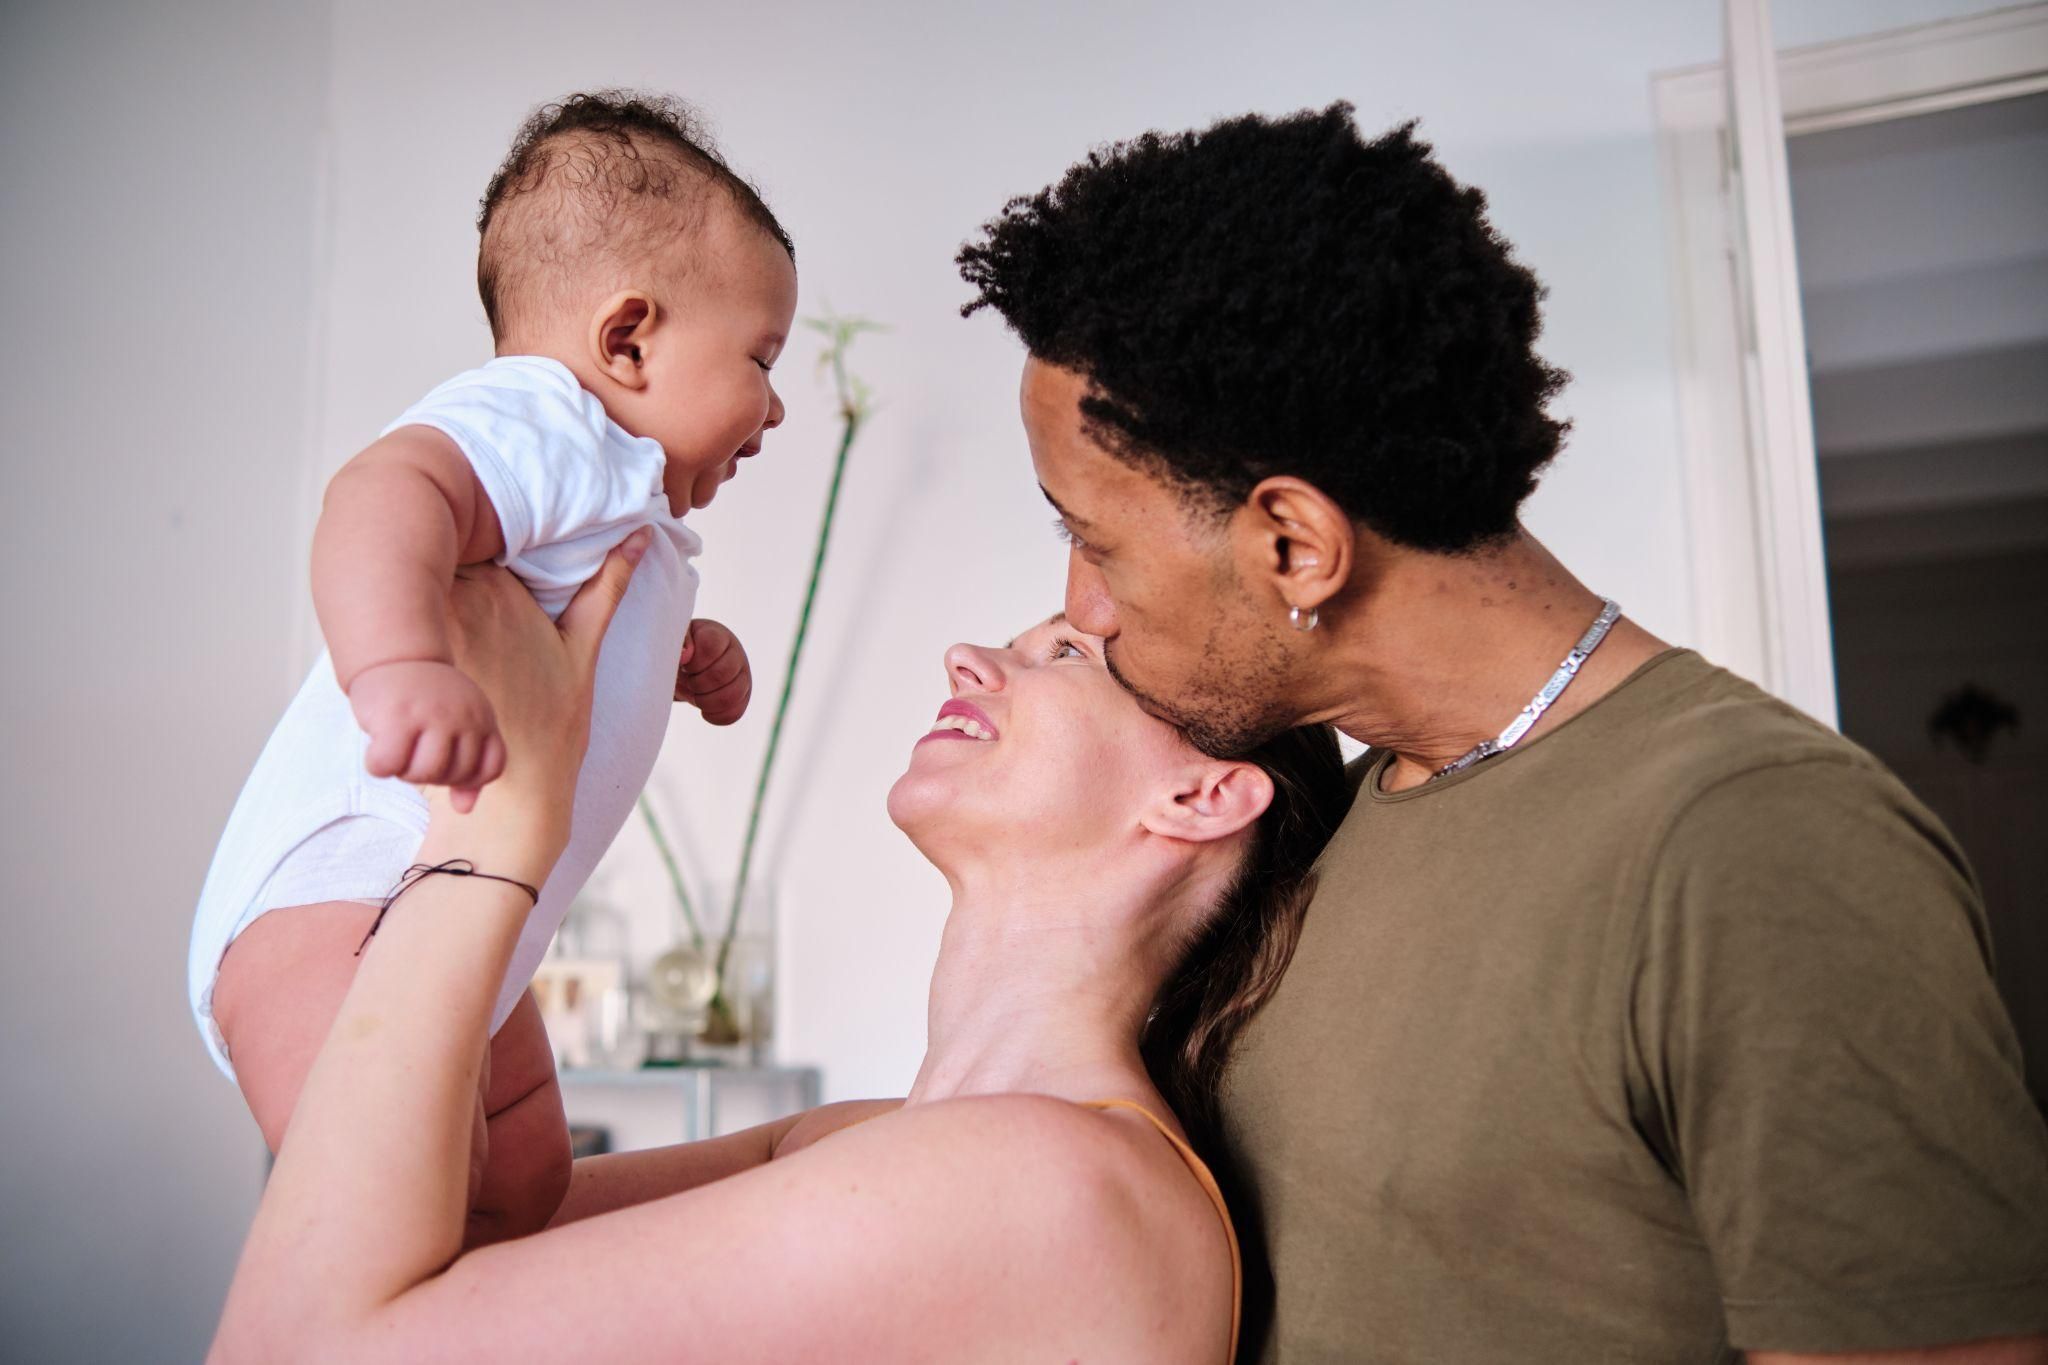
[1033, 1197]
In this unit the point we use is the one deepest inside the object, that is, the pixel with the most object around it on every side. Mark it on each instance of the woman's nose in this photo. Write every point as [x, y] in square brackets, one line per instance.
[970, 668]
[775, 408]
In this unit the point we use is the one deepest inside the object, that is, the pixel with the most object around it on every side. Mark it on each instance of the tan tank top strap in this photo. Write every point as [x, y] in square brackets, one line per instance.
[1207, 1180]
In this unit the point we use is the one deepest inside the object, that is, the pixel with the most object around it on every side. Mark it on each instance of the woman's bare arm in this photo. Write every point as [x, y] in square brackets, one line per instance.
[1005, 1227]
[617, 1180]
[367, 1197]
[370, 1189]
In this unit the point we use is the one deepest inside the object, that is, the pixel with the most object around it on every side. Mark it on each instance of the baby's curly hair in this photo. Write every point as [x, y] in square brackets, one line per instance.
[1279, 296]
[604, 174]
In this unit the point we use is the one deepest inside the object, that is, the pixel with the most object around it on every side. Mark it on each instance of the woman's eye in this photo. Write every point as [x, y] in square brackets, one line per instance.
[765, 366]
[1066, 533]
[1065, 649]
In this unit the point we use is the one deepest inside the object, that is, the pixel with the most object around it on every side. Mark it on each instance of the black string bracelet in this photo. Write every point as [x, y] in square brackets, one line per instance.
[419, 872]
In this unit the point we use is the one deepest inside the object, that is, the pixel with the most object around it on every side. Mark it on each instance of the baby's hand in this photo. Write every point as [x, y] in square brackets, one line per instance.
[430, 725]
[713, 675]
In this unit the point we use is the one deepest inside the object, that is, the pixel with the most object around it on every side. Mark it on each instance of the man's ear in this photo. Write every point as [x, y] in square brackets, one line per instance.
[1211, 799]
[1297, 540]
[619, 332]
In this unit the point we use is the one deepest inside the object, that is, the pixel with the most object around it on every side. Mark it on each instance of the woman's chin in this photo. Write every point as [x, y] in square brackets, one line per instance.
[926, 805]
[911, 802]
[916, 809]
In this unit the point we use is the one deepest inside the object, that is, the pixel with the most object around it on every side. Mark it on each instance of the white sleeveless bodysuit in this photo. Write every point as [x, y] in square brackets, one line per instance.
[568, 484]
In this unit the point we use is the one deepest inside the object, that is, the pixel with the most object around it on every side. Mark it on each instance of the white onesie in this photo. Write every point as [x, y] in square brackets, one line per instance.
[568, 484]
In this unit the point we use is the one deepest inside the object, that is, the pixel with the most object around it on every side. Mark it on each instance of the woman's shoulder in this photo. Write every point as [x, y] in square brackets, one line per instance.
[1065, 1146]
[990, 1229]
[1095, 1150]
[1092, 1212]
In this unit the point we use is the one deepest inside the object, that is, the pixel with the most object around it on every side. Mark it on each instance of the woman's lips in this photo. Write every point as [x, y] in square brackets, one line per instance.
[963, 720]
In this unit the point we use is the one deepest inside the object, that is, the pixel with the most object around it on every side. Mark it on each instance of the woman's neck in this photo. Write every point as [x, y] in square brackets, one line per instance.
[1041, 990]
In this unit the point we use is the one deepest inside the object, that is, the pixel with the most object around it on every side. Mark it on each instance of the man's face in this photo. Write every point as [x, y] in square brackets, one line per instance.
[1160, 581]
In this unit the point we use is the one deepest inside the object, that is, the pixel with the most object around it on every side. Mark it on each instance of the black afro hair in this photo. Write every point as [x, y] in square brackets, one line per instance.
[1279, 296]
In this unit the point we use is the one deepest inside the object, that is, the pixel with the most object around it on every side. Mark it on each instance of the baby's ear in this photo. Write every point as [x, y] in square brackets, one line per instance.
[618, 337]
[1210, 799]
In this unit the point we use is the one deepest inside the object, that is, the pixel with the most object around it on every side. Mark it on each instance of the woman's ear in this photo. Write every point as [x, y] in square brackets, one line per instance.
[619, 333]
[1211, 800]
[1296, 539]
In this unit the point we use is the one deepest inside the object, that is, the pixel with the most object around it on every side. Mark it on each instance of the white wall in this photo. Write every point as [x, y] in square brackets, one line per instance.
[882, 151]
[156, 197]
[205, 204]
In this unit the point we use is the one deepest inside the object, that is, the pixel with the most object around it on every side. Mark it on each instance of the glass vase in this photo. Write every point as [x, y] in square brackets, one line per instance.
[739, 1019]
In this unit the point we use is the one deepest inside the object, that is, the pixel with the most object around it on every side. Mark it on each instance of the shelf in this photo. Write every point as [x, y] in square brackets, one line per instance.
[685, 1103]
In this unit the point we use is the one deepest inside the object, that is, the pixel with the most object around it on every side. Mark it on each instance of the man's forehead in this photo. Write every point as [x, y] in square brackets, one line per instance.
[1053, 387]
[1051, 407]
[1087, 484]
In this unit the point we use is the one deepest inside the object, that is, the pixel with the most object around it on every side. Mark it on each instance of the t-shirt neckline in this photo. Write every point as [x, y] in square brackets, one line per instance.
[1371, 785]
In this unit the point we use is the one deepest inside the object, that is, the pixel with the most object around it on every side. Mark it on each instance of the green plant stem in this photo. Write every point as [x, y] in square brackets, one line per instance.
[675, 873]
[852, 415]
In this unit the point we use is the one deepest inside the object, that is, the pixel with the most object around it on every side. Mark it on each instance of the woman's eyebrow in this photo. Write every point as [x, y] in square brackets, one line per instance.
[1058, 618]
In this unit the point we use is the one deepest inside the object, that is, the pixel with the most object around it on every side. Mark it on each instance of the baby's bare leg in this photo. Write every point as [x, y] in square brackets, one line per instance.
[279, 988]
[526, 1174]
[281, 985]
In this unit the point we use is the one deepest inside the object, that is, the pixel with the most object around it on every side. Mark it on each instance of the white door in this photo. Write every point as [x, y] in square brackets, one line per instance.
[1792, 632]
[1753, 510]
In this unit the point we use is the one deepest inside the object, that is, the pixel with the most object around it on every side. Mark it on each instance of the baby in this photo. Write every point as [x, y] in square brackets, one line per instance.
[638, 292]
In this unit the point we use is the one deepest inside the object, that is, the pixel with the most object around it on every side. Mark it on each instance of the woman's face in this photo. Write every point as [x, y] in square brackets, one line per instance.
[1040, 747]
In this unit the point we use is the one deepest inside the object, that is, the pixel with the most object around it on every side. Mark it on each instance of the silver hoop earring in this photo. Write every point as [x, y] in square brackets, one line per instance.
[1303, 621]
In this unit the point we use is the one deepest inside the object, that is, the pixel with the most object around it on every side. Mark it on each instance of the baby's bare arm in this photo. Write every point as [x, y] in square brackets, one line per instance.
[397, 521]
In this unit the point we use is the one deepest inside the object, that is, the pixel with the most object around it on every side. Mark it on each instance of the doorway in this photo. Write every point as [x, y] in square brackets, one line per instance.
[1860, 229]
[1922, 245]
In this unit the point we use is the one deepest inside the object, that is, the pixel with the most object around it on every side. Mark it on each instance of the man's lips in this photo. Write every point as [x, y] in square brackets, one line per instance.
[963, 714]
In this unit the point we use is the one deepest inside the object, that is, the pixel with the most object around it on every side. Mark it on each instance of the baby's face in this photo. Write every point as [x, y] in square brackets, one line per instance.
[708, 397]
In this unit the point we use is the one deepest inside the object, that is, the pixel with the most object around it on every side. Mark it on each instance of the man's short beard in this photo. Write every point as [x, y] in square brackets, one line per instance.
[1221, 722]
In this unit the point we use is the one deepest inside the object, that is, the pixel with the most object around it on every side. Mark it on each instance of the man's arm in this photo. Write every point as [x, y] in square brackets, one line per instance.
[1829, 1068]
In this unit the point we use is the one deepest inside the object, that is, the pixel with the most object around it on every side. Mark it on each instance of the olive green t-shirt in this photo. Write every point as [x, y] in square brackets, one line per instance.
[1667, 1033]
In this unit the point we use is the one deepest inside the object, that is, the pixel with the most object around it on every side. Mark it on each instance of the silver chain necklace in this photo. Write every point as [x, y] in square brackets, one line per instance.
[1610, 612]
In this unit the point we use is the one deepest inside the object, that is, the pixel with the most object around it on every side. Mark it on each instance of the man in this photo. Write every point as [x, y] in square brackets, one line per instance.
[1658, 1029]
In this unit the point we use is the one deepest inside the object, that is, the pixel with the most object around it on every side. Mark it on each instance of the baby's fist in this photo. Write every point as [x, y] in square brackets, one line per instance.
[713, 674]
[429, 725]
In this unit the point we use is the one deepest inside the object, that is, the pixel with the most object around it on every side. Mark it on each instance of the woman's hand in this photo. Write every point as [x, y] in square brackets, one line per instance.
[539, 676]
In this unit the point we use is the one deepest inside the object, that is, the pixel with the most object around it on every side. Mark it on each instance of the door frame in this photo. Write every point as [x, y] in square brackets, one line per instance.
[1758, 590]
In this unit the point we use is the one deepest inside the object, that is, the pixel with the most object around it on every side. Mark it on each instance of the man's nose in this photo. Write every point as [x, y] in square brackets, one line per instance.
[970, 668]
[1089, 608]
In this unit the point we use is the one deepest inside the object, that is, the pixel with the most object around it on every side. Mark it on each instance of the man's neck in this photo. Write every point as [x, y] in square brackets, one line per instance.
[1449, 649]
